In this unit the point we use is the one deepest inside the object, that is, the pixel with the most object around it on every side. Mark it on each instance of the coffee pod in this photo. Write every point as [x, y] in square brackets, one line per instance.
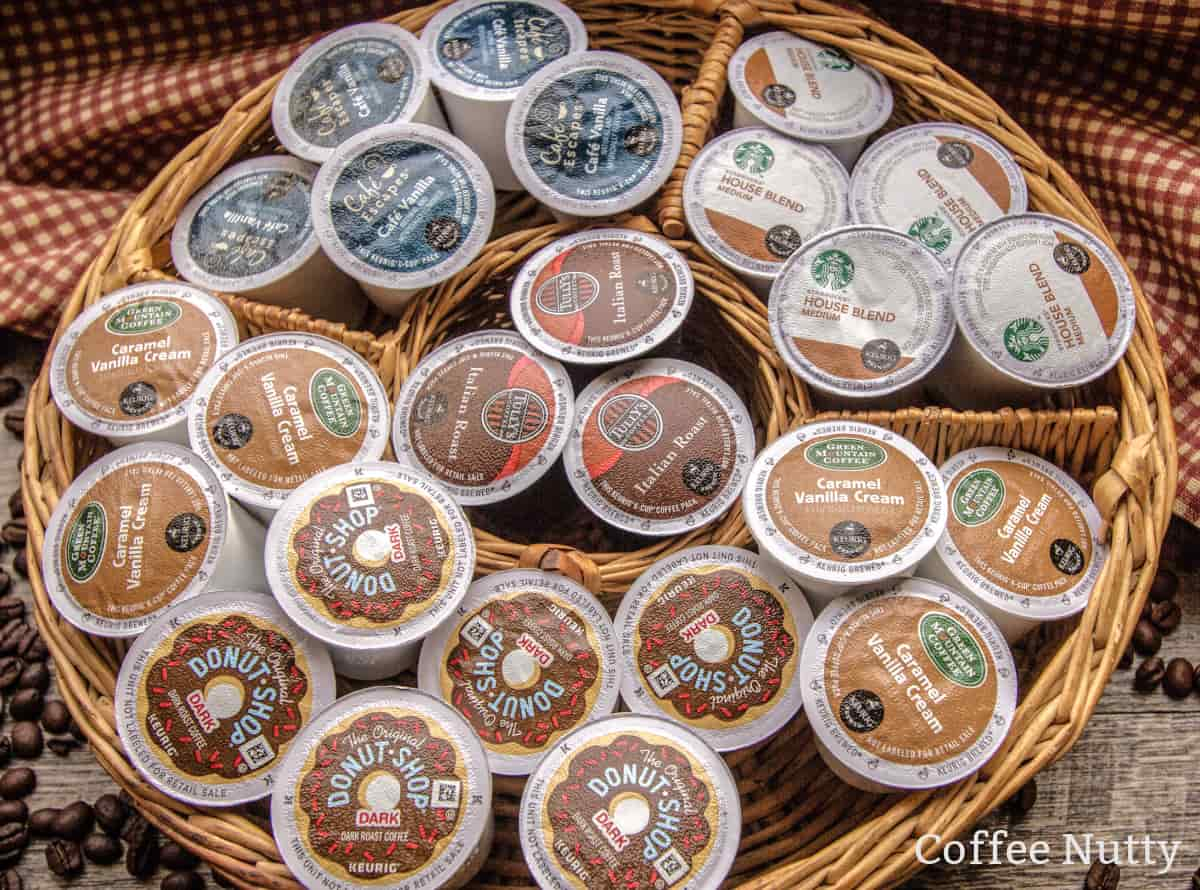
[808, 91]
[939, 182]
[843, 505]
[630, 801]
[482, 53]
[369, 558]
[660, 447]
[711, 638]
[527, 657]
[1023, 539]
[602, 296]
[752, 197]
[211, 697]
[594, 134]
[1042, 305]
[349, 81]
[907, 688]
[250, 232]
[862, 314]
[143, 527]
[386, 789]
[402, 207]
[127, 366]
[278, 408]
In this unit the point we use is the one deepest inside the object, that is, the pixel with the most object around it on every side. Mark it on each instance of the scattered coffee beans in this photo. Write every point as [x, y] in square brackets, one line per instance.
[14, 422]
[111, 813]
[17, 782]
[11, 605]
[42, 822]
[5, 585]
[1166, 615]
[1102, 877]
[10, 390]
[16, 505]
[10, 671]
[1164, 586]
[1149, 674]
[1024, 800]
[27, 740]
[141, 856]
[10, 880]
[182, 880]
[14, 837]
[14, 533]
[102, 849]
[5, 750]
[75, 821]
[13, 811]
[1146, 638]
[1126, 660]
[55, 717]
[62, 746]
[31, 647]
[1178, 679]
[177, 857]
[64, 858]
[21, 564]
[26, 704]
[35, 676]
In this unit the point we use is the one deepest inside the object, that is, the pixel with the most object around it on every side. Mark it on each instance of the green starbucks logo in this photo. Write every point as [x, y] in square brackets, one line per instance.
[1026, 339]
[933, 232]
[754, 157]
[953, 650]
[835, 60]
[833, 269]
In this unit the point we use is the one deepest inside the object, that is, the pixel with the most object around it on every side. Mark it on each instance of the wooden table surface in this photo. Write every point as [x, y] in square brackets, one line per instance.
[1133, 773]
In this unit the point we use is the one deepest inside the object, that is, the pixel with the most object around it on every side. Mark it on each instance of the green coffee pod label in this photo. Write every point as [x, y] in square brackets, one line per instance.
[85, 542]
[1026, 339]
[953, 650]
[977, 497]
[845, 453]
[335, 402]
[143, 317]
[833, 269]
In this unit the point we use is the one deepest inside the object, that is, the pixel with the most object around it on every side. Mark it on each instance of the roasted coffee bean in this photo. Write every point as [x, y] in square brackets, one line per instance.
[176, 857]
[32, 647]
[75, 821]
[1146, 638]
[61, 746]
[141, 856]
[1166, 615]
[182, 880]
[14, 837]
[1196, 880]
[17, 782]
[34, 676]
[5, 750]
[64, 858]
[77, 732]
[1177, 681]
[11, 605]
[1102, 876]
[10, 880]
[10, 390]
[21, 564]
[1164, 586]
[13, 811]
[55, 717]
[10, 635]
[14, 533]
[10, 671]
[5, 586]
[26, 704]
[16, 505]
[1024, 800]
[42, 822]
[14, 422]
[132, 824]
[102, 849]
[1149, 674]
[1126, 660]
[27, 740]
[111, 813]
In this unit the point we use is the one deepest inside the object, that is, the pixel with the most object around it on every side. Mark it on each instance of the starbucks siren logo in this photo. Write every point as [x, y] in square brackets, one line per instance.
[754, 157]
[835, 60]
[1026, 339]
[933, 232]
[833, 269]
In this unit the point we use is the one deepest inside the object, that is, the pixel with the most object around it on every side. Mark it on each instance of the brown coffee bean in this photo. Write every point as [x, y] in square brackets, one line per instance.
[62, 746]
[10, 671]
[14, 533]
[133, 823]
[26, 704]
[5, 586]
[31, 646]
[1149, 674]
[5, 750]
[55, 717]
[13, 811]
[42, 822]
[21, 564]
[17, 782]
[1177, 681]
[16, 505]
[10, 880]
[34, 676]
[141, 856]
[27, 740]
[64, 858]
[10, 390]
[1024, 800]
[11, 605]
[77, 732]
[177, 857]
[1196, 880]
[102, 849]
[75, 821]
[111, 813]
[1146, 638]
[1166, 616]
[1164, 586]
[182, 880]
[14, 422]
[14, 837]
[1126, 660]
[10, 635]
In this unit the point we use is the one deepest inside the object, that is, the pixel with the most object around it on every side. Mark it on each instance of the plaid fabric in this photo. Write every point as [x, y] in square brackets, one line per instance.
[100, 95]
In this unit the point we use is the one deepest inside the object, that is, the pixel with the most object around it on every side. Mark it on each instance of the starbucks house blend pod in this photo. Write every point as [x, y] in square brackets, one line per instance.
[630, 801]
[711, 638]
[210, 698]
[127, 366]
[482, 52]
[250, 232]
[527, 657]
[1022, 538]
[907, 688]
[141, 528]
[278, 408]
[386, 789]
[369, 558]
[808, 91]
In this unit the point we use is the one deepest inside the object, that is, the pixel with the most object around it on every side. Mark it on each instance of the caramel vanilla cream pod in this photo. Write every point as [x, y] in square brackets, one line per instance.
[369, 558]
[527, 657]
[127, 366]
[142, 528]
[213, 694]
[711, 638]
[907, 688]
[630, 801]
[386, 789]
[1022, 539]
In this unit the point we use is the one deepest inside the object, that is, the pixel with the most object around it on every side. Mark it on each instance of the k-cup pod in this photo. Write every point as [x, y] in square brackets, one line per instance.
[711, 638]
[127, 366]
[1042, 305]
[402, 207]
[843, 505]
[278, 408]
[752, 197]
[808, 91]
[630, 801]
[1022, 540]
[142, 528]
[485, 414]
[907, 688]
[527, 657]
[660, 447]
[349, 81]
[938, 182]
[594, 134]
[602, 296]
[482, 53]
[862, 314]
[211, 697]
[250, 232]
[369, 558]
[386, 789]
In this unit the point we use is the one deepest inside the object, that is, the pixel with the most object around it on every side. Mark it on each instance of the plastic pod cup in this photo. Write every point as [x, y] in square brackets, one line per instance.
[375, 766]
[238, 682]
[808, 91]
[349, 81]
[752, 197]
[862, 314]
[527, 657]
[594, 134]
[402, 207]
[938, 182]
[711, 639]
[482, 52]
[660, 447]
[641, 794]
[369, 558]
[1023, 539]
[127, 366]
[145, 526]
[1042, 305]
[602, 296]
[907, 688]
[278, 408]
[843, 505]
[250, 232]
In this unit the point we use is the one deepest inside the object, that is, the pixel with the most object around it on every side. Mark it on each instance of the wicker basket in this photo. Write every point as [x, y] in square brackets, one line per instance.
[802, 827]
